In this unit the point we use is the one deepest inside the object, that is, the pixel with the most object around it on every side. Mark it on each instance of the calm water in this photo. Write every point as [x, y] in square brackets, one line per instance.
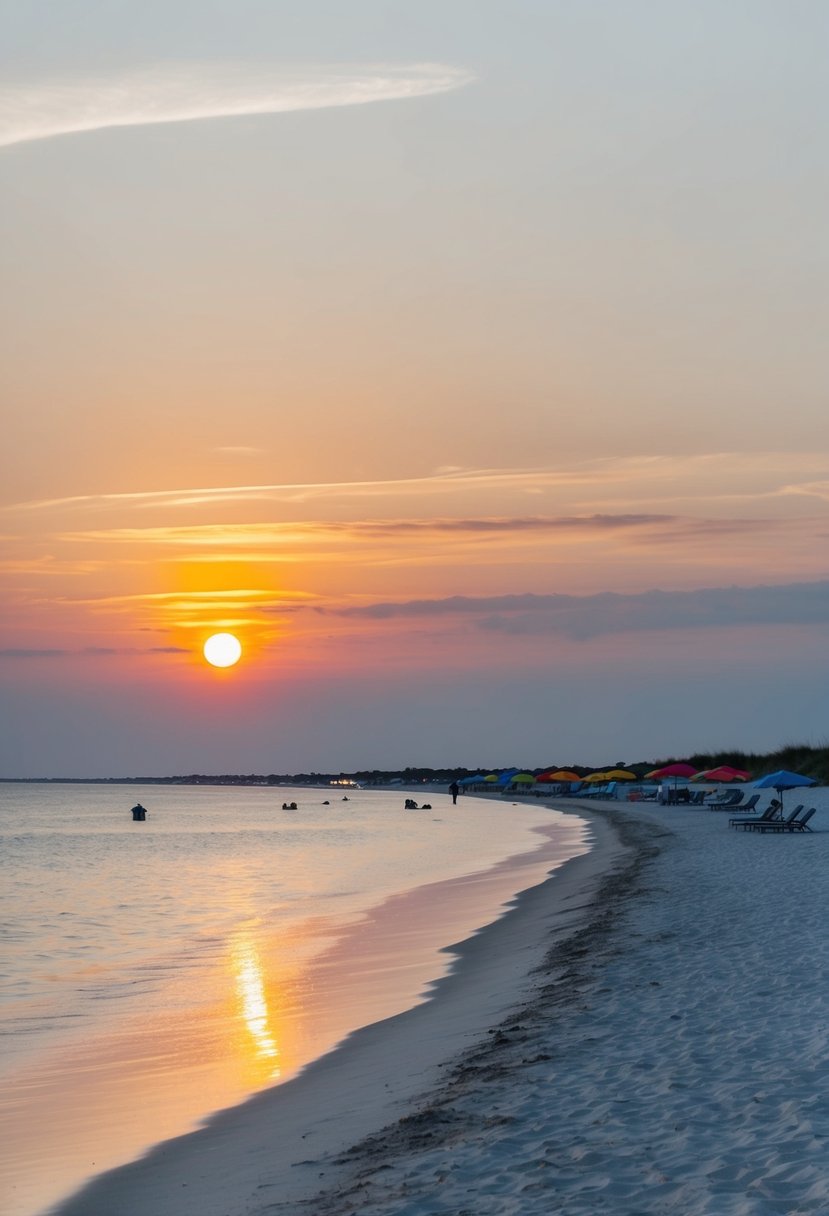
[154, 972]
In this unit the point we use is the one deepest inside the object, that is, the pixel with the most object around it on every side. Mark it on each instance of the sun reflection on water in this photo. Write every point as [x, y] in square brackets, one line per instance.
[250, 988]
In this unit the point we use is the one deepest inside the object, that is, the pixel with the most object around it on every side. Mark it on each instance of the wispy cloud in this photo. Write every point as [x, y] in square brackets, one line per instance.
[22, 652]
[183, 607]
[808, 489]
[617, 482]
[384, 539]
[583, 617]
[209, 496]
[303, 532]
[184, 92]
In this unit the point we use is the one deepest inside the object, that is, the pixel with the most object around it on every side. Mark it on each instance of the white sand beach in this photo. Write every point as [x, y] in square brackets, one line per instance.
[646, 1032]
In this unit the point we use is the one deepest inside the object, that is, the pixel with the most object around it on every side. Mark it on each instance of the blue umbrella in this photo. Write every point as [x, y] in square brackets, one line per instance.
[506, 777]
[782, 780]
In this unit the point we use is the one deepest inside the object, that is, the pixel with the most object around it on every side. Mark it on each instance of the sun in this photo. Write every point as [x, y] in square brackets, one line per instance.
[222, 650]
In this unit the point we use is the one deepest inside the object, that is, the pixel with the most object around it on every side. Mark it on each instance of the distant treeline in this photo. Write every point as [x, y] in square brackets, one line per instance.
[811, 761]
[796, 757]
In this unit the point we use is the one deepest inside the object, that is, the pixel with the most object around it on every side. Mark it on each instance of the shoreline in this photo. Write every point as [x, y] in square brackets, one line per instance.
[644, 1032]
[163, 1054]
[281, 1144]
[673, 1057]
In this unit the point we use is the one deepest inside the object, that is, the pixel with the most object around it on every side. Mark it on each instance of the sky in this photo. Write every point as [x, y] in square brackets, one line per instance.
[466, 359]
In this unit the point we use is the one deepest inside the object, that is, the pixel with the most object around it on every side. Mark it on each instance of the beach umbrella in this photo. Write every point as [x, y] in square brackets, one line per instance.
[507, 776]
[523, 779]
[620, 774]
[677, 770]
[783, 780]
[491, 777]
[594, 778]
[564, 774]
[725, 774]
[673, 770]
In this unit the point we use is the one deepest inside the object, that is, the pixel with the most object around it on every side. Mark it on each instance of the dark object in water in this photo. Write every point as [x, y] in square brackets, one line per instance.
[410, 805]
[286, 806]
[139, 813]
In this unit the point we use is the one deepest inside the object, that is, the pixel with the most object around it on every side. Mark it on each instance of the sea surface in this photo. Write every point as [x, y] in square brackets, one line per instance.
[153, 973]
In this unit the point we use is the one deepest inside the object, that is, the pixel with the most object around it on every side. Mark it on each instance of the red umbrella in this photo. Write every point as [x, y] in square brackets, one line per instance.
[725, 773]
[674, 770]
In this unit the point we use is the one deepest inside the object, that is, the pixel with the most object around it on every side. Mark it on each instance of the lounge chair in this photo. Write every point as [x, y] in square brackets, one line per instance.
[697, 798]
[746, 809]
[727, 800]
[792, 824]
[767, 816]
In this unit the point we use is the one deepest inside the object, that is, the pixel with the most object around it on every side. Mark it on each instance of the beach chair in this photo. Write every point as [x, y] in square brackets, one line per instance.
[727, 800]
[765, 817]
[770, 817]
[792, 824]
[697, 798]
[746, 809]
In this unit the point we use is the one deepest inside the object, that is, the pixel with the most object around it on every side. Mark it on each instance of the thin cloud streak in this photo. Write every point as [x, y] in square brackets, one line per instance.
[21, 652]
[641, 530]
[311, 530]
[716, 476]
[185, 92]
[308, 491]
[582, 617]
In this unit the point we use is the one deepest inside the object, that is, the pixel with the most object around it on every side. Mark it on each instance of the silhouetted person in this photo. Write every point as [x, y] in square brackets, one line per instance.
[139, 813]
[454, 790]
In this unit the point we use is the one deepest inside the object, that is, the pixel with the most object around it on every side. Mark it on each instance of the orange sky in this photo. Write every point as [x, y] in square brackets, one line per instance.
[372, 384]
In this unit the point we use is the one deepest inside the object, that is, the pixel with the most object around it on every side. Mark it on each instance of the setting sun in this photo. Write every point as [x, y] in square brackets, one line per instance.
[222, 650]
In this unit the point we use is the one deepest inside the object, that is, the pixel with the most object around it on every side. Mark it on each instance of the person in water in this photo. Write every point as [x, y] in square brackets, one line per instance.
[454, 790]
[139, 813]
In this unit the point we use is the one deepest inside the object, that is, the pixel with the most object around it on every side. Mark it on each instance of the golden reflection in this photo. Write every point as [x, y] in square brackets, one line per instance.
[250, 988]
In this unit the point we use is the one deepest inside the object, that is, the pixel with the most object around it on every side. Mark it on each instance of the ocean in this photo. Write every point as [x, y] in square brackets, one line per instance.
[156, 972]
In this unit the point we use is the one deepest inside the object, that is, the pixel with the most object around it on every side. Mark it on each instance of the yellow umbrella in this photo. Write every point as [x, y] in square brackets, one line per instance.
[596, 777]
[491, 777]
[621, 774]
[564, 774]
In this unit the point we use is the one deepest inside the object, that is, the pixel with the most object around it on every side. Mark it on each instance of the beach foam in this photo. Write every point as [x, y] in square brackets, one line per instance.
[645, 1033]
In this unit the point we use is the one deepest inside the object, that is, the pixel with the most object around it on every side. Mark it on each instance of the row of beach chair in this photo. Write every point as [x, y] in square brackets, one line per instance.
[767, 821]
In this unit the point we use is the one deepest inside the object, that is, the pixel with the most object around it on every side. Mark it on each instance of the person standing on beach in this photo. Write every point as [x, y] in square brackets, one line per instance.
[454, 790]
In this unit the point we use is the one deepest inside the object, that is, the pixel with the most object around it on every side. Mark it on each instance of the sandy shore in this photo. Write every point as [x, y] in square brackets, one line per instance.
[644, 1033]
